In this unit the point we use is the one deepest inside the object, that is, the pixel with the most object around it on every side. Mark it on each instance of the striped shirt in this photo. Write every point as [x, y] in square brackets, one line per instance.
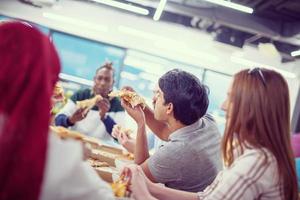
[250, 177]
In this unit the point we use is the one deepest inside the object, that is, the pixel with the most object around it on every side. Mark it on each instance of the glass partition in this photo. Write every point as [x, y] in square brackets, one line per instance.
[218, 85]
[81, 57]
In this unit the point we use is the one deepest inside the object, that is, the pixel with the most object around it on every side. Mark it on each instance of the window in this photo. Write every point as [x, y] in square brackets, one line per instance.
[81, 57]
[218, 85]
[142, 71]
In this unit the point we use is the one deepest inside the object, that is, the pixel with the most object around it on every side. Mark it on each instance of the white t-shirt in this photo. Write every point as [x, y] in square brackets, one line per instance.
[67, 176]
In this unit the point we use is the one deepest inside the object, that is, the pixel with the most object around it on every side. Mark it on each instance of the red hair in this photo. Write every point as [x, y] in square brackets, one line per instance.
[28, 71]
[260, 117]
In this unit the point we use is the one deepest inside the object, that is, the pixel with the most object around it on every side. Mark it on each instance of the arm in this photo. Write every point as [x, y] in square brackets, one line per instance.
[247, 178]
[126, 141]
[141, 152]
[69, 115]
[162, 192]
[108, 123]
[162, 166]
[143, 188]
[62, 118]
[158, 128]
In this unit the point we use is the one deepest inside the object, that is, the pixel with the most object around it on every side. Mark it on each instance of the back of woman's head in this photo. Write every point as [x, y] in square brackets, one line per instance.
[260, 117]
[28, 71]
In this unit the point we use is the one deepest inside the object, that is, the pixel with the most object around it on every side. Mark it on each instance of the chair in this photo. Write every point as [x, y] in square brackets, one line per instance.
[298, 172]
[295, 140]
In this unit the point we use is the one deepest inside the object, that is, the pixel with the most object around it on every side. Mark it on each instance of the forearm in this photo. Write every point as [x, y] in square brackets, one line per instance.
[160, 129]
[161, 192]
[108, 123]
[141, 152]
[129, 146]
[63, 120]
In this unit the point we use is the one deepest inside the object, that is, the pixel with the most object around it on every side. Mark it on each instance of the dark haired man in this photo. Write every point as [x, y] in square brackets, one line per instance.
[98, 122]
[190, 159]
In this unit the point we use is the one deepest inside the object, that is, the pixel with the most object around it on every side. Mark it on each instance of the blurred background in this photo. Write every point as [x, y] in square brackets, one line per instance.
[213, 39]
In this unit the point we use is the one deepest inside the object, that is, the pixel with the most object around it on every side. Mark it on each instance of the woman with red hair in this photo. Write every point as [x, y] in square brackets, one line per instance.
[256, 146]
[36, 165]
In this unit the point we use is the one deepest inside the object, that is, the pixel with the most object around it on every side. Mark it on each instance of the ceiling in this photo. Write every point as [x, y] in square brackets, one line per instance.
[273, 21]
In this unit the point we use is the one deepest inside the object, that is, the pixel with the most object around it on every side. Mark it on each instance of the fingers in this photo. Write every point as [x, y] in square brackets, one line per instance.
[82, 113]
[123, 136]
[129, 171]
[103, 104]
[116, 131]
[104, 101]
[126, 174]
[125, 104]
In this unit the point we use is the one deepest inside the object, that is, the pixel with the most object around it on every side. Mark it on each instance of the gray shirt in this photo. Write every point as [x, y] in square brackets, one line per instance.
[191, 159]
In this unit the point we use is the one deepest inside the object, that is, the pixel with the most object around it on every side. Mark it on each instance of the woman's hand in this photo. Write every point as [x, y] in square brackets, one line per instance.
[138, 182]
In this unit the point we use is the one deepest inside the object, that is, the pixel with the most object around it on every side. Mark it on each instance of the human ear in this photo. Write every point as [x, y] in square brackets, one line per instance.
[170, 108]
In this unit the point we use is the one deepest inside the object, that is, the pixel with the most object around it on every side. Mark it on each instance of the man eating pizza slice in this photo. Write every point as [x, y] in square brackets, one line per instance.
[91, 111]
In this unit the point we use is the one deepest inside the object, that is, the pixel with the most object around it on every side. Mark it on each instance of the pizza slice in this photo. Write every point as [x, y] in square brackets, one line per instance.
[121, 187]
[97, 163]
[64, 133]
[131, 97]
[89, 103]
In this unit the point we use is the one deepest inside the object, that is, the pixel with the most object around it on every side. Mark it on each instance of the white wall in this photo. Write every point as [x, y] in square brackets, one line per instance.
[159, 38]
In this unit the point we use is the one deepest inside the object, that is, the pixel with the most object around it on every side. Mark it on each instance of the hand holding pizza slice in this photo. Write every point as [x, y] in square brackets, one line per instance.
[129, 96]
[89, 103]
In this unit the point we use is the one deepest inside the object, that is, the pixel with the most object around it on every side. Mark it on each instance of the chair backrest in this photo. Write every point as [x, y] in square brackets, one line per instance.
[296, 144]
[298, 172]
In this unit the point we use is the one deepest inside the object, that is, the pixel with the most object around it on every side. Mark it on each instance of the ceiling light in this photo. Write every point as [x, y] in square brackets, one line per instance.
[159, 9]
[75, 22]
[124, 6]
[232, 5]
[295, 53]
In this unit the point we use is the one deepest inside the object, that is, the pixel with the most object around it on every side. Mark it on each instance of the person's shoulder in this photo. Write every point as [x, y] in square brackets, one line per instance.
[172, 148]
[252, 157]
[250, 152]
[59, 149]
[208, 123]
[115, 105]
[81, 95]
[209, 117]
